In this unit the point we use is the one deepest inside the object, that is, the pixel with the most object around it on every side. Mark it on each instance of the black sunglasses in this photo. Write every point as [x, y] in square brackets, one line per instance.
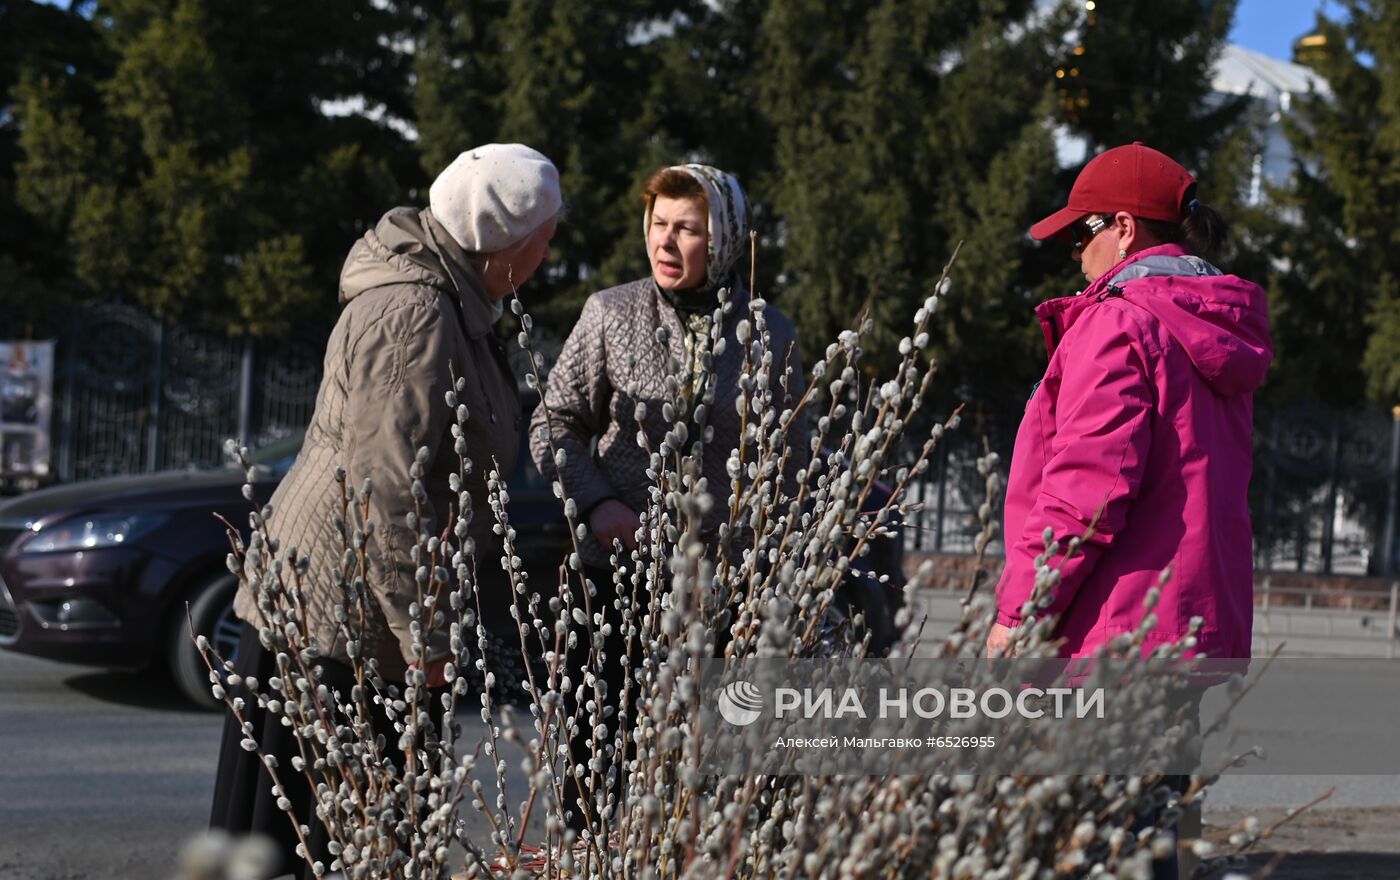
[1083, 231]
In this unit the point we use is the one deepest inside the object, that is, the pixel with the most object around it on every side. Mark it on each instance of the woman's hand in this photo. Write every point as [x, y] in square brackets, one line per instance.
[614, 520]
[997, 639]
[435, 672]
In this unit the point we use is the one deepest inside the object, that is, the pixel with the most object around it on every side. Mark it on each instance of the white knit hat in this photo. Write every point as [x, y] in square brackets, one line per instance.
[492, 196]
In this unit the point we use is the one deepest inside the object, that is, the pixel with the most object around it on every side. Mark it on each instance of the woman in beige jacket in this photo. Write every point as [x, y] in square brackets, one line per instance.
[419, 295]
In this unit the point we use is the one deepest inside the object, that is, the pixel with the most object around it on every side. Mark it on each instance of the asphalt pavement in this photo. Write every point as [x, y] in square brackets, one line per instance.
[106, 774]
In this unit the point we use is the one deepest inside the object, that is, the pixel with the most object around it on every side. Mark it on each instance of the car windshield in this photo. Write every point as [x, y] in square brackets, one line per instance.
[277, 456]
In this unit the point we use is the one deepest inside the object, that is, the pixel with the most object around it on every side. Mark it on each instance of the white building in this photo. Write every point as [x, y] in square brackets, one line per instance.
[1274, 85]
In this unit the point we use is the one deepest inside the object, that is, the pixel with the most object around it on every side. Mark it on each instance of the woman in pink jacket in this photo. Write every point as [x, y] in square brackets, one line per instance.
[1142, 424]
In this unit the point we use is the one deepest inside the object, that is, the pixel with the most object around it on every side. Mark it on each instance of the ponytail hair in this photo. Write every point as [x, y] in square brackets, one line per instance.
[1202, 229]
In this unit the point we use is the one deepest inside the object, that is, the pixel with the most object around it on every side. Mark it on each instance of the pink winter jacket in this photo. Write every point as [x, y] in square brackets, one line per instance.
[1146, 414]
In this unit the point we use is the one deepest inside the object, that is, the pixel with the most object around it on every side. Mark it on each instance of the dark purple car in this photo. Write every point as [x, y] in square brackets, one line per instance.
[99, 572]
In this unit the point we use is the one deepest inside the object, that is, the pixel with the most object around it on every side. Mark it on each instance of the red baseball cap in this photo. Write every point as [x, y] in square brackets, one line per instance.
[1132, 178]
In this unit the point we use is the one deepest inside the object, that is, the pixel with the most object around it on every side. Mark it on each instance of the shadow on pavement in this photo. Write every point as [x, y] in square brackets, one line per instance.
[151, 689]
[1326, 865]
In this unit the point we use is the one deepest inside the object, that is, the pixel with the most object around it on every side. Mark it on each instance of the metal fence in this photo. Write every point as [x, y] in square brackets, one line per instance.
[1297, 621]
[1323, 494]
[950, 492]
[1362, 621]
[136, 395]
[1324, 491]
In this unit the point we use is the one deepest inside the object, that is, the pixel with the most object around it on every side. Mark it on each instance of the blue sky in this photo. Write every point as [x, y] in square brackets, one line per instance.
[1271, 26]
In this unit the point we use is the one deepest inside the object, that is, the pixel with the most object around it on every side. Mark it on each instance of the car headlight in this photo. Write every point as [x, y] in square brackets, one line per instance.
[90, 532]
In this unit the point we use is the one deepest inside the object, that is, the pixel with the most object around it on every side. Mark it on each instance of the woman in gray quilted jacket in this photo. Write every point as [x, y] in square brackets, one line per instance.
[631, 338]
[632, 342]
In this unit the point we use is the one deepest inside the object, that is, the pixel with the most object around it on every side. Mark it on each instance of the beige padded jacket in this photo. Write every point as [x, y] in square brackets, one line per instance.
[415, 314]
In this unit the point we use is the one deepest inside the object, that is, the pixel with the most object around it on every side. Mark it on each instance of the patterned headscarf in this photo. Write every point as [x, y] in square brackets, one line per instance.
[729, 220]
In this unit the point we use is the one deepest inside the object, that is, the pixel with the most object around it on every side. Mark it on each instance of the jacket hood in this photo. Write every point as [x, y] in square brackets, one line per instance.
[1221, 321]
[409, 246]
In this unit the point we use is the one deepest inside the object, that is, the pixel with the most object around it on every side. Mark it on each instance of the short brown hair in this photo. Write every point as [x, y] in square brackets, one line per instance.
[673, 183]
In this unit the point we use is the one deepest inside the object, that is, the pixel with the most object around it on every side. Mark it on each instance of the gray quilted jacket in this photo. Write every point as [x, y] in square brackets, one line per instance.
[614, 345]
[404, 332]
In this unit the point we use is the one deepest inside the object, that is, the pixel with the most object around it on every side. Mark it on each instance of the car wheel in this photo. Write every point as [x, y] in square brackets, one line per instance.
[211, 610]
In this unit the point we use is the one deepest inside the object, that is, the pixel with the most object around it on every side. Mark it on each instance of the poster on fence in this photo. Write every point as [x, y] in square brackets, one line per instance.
[26, 403]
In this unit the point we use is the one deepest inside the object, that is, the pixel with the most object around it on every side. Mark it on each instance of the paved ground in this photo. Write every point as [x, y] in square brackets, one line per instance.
[1329, 843]
[105, 774]
[1318, 632]
[1355, 833]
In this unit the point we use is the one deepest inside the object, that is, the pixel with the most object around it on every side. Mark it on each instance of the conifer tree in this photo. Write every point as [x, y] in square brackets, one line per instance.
[1336, 297]
[576, 87]
[459, 75]
[902, 128]
[994, 161]
[44, 51]
[706, 96]
[208, 183]
[1142, 70]
[706, 91]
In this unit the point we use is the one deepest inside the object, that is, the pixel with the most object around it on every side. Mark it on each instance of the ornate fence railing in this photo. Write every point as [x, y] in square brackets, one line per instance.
[1324, 487]
[1323, 494]
[134, 395]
